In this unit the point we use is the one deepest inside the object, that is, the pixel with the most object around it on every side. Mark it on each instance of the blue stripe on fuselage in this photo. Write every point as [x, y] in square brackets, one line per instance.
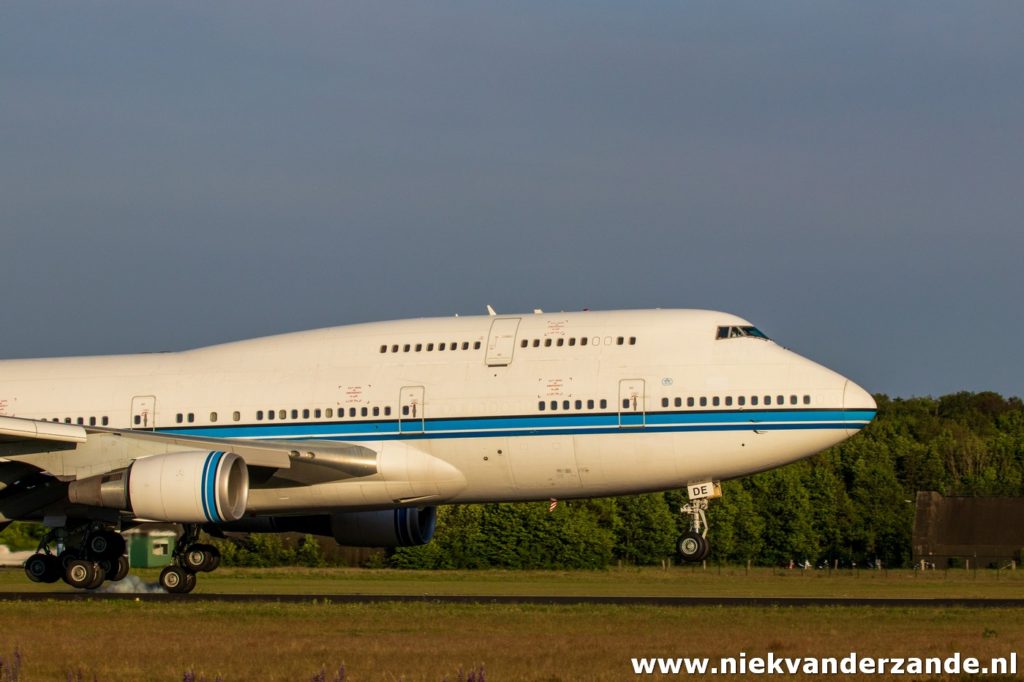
[532, 425]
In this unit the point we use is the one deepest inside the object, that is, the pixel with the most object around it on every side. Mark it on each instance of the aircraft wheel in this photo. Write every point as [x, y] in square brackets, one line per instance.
[80, 573]
[119, 569]
[107, 544]
[201, 558]
[100, 576]
[692, 546]
[177, 580]
[43, 568]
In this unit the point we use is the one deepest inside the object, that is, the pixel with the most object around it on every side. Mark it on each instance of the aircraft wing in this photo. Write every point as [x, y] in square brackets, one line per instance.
[15, 430]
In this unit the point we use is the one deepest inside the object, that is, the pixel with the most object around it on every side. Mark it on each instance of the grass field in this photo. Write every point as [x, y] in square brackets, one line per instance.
[126, 640]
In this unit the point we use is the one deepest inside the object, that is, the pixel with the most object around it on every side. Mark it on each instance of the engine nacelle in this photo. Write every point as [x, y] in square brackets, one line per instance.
[180, 487]
[403, 527]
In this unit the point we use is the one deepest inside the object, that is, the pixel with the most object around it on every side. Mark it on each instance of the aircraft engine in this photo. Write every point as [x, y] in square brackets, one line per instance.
[179, 487]
[403, 527]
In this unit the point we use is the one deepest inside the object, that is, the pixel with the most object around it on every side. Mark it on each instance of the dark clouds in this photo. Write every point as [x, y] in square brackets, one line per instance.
[848, 176]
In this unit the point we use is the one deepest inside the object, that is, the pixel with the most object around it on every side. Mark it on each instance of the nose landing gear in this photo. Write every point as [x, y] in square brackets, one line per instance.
[693, 545]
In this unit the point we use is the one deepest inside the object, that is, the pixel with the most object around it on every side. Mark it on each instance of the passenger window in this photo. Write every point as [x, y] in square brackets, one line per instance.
[753, 400]
[579, 404]
[524, 343]
[554, 404]
[405, 410]
[136, 420]
[383, 349]
[679, 402]
[259, 415]
[536, 342]
[476, 345]
[618, 341]
[715, 402]
[236, 416]
[560, 342]
[406, 348]
[625, 402]
[191, 417]
[329, 412]
[572, 341]
[465, 345]
[440, 346]
[376, 411]
[565, 404]
[394, 348]
[81, 422]
[351, 411]
[547, 343]
[179, 418]
[270, 414]
[213, 416]
[295, 414]
[282, 414]
[305, 414]
[792, 400]
[664, 402]
[387, 410]
[728, 400]
[632, 340]
[742, 400]
[583, 341]
[419, 347]
[807, 400]
[541, 405]
[703, 401]
[780, 400]
[767, 400]
[604, 404]
[106, 421]
[92, 421]
[430, 347]
[689, 402]
[590, 404]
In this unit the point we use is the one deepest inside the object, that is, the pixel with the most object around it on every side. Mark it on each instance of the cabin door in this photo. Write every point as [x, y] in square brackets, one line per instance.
[502, 341]
[632, 410]
[411, 410]
[143, 413]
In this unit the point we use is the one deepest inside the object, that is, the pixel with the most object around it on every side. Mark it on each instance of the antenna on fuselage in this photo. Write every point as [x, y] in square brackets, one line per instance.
[490, 310]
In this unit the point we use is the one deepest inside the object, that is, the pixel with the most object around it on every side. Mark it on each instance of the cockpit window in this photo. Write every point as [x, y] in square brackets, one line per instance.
[737, 332]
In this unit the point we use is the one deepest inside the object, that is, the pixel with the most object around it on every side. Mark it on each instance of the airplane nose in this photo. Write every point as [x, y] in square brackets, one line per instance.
[859, 407]
[856, 398]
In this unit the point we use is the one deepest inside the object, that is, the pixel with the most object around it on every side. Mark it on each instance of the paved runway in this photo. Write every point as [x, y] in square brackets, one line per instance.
[798, 602]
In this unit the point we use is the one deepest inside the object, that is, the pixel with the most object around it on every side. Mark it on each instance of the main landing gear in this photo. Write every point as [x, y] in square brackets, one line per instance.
[190, 557]
[83, 558]
[693, 545]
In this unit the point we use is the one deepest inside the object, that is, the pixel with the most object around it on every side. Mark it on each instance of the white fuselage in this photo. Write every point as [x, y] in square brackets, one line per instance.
[521, 407]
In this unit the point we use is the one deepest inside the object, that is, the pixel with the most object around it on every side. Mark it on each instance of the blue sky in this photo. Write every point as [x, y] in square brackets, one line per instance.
[846, 175]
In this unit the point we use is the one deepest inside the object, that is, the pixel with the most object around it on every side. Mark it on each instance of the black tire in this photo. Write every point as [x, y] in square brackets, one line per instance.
[692, 546]
[80, 573]
[37, 568]
[119, 569]
[54, 569]
[175, 580]
[201, 558]
[106, 544]
[101, 575]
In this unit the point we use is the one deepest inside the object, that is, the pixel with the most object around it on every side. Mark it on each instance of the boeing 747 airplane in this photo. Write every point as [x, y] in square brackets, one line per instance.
[359, 432]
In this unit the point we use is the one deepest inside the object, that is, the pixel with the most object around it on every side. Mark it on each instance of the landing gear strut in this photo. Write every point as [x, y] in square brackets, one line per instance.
[693, 544]
[190, 557]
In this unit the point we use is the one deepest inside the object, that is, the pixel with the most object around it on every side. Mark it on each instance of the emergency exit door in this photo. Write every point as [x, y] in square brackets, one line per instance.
[411, 410]
[143, 412]
[501, 343]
